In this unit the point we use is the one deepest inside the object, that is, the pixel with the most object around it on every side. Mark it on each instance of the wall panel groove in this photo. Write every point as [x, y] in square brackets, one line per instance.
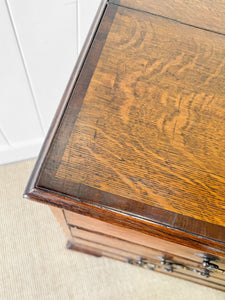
[19, 123]
[3, 139]
[47, 34]
[24, 65]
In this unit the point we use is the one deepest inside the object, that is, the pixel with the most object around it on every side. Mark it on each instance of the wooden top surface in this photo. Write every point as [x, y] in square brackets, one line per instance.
[144, 127]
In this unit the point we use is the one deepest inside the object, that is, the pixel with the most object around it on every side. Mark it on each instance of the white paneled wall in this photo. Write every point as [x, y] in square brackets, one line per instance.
[86, 12]
[40, 41]
[3, 140]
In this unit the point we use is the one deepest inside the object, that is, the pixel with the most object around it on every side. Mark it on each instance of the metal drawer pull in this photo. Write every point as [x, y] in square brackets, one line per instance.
[207, 261]
[169, 266]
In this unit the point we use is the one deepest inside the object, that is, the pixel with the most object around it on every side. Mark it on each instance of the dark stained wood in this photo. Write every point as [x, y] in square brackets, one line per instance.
[197, 227]
[138, 141]
[205, 14]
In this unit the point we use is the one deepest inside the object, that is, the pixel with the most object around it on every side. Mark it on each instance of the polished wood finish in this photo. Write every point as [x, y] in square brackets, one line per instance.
[138, 142]
[202, 243]
[154, 131]
[178, 137]
[204, 14]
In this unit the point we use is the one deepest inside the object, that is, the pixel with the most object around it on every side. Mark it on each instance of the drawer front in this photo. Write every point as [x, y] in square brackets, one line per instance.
[164, 247]
[150, 262]
[145, 256]
[91, 236]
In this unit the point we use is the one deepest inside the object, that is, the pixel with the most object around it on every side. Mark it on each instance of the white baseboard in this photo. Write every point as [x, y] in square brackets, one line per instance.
[20, 151]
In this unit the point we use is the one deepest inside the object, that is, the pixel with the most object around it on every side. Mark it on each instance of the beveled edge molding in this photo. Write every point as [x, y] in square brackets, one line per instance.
[130, 221]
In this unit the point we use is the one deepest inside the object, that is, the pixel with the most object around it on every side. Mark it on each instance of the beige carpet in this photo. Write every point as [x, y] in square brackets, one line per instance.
[35, 264]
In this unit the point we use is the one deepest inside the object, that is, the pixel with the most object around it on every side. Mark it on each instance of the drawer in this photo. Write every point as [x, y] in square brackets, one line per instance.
[128, 246]
[155, 256]
[150, 262]
[138, 239]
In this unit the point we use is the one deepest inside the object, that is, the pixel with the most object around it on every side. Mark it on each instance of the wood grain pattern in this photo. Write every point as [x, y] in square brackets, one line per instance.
[201, 13]
[151, 127]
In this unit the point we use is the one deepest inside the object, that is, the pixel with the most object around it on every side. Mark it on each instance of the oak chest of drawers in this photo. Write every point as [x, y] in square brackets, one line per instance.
[134, 163]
